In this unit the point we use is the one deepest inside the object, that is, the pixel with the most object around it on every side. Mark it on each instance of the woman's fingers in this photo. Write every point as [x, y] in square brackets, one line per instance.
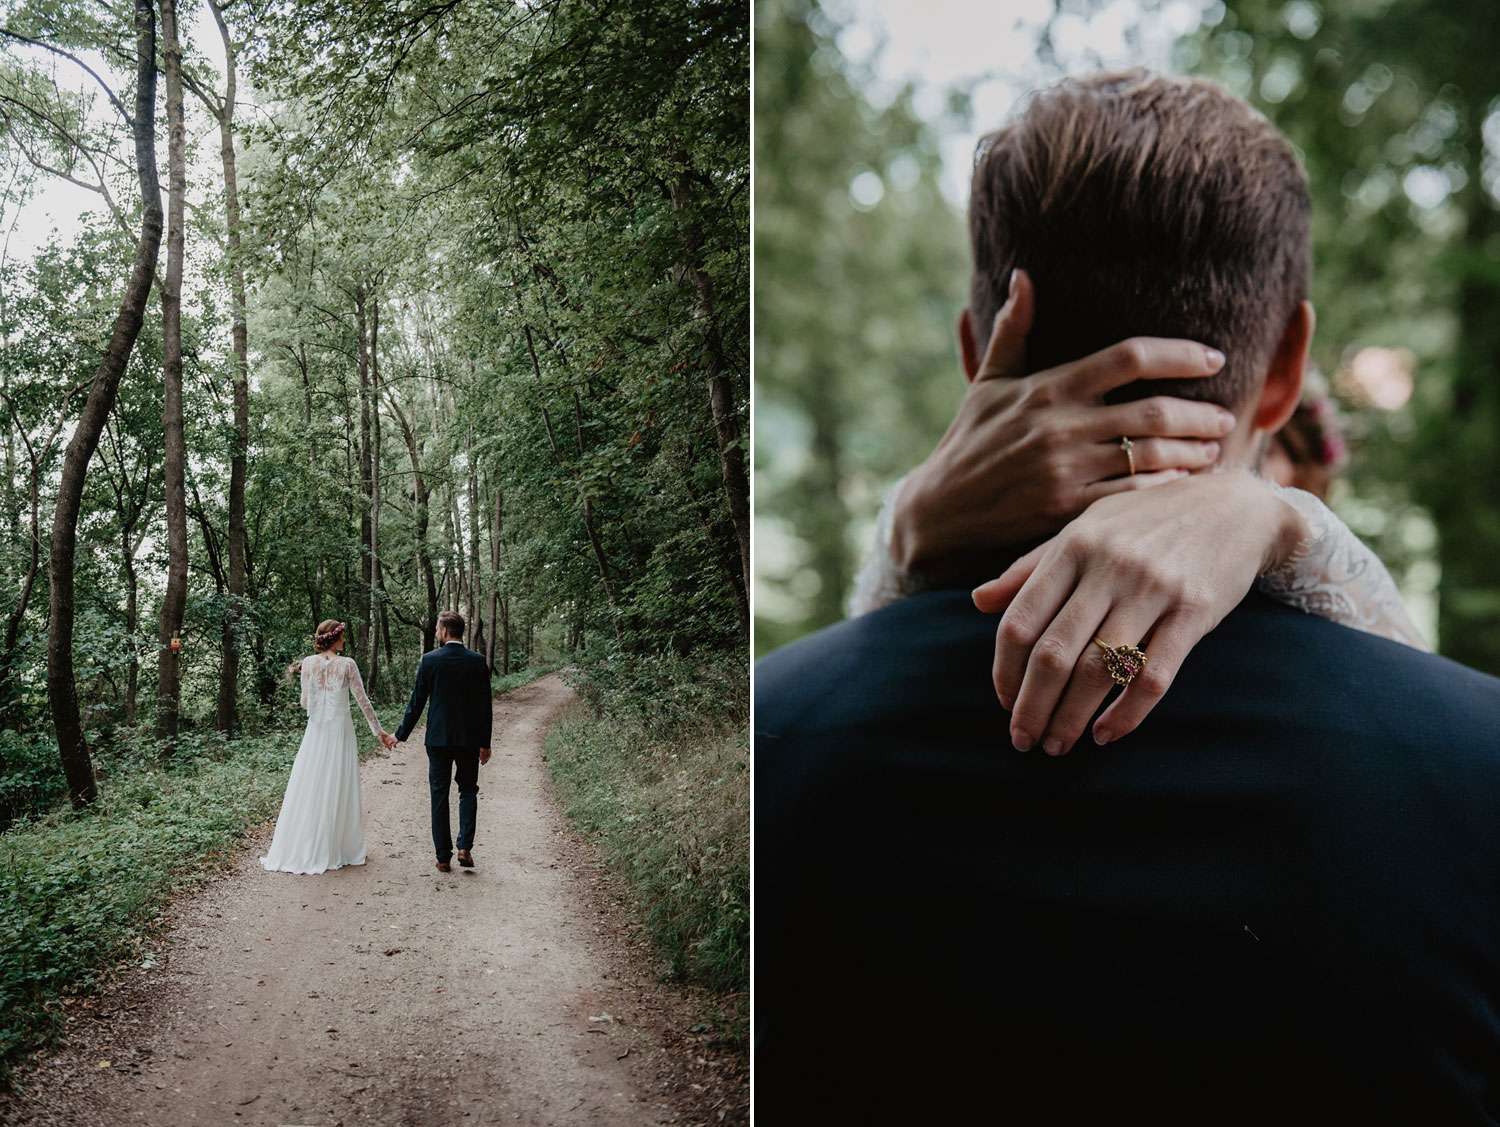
[1051, 662]
[1161, 416]
[1030, 614]
[1106, 460]
[1174, 637]
[1142, 358]
[1126, 625]
[1005, 355]
[993, 597]
[1171, 454]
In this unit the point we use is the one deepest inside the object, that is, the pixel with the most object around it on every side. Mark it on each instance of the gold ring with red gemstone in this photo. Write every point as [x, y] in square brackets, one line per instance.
[1123, 662]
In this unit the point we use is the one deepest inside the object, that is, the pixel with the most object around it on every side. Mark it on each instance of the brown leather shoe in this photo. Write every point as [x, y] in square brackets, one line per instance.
[465, 858]
[444, 867]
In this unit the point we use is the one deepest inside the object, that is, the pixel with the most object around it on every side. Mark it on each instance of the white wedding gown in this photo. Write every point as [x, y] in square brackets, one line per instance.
[321, 825]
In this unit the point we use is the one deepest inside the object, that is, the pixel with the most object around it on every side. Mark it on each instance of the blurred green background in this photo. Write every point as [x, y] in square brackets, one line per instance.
[866, 114]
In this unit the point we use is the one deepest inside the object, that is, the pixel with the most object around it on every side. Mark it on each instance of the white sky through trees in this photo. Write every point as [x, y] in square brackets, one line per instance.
[56, 210]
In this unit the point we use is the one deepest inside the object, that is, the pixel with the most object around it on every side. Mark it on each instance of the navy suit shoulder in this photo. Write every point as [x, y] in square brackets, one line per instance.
[1283, 882]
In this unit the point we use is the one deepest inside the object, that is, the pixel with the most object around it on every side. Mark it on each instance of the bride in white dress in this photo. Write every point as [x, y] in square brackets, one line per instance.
[321, 825]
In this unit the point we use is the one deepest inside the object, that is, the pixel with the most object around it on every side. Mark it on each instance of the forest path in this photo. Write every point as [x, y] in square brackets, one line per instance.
[387, 993]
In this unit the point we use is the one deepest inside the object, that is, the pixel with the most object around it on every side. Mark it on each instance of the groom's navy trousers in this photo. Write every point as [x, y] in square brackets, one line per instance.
[441, 765]
[457, 682]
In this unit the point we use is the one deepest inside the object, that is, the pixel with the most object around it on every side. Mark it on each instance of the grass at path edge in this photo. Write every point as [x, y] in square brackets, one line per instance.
[672, 818]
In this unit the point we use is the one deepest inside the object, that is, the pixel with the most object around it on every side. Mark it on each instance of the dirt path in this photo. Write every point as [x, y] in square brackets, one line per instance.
[390, 993]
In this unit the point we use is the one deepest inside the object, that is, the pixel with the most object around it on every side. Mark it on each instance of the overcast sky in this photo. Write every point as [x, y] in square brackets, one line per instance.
[55, 211]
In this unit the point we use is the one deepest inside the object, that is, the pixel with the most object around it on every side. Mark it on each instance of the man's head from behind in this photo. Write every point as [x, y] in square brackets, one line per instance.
[450, 627]
[1142, 205]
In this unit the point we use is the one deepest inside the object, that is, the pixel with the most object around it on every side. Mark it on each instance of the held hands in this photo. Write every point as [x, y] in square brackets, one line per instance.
[1026, 454]
[388, 741]
[1156, 569]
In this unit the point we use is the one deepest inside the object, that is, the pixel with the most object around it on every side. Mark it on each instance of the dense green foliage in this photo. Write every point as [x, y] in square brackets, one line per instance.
[1388, 103]
[669, 806]
[496, 269]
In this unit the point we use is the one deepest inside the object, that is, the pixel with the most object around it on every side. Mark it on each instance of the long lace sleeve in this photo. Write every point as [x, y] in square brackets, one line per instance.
[357, 687]
[1333, 574]
[306, 669]
[879, 583]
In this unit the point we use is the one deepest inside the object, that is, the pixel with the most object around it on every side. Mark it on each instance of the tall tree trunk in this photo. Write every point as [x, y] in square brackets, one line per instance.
[18, 612]
[133, 681]
[495, 525]
[365, 547]
[377, 592]
[476, 610]
[174, 464]
[229, 671]
[315, 581]
[62, 692]
[717, 374]
[421, 495]
[505, 636]
[721, 552]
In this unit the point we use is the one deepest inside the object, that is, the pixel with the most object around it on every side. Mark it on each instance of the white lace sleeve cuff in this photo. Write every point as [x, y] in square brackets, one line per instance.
[1333, 574]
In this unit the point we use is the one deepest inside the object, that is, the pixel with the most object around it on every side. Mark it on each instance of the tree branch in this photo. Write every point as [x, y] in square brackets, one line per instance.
[110, 94]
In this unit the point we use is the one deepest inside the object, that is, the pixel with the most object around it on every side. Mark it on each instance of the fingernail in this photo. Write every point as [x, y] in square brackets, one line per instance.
[1103, 736]
[1214, 358]
[974, 594]
[1010, 289]
[1052, 745]
[1211, 449]
[1021, 740]
[1007, 703]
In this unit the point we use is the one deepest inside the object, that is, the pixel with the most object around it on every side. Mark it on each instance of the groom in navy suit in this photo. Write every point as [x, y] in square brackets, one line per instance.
[457, 680]
[1277, 901]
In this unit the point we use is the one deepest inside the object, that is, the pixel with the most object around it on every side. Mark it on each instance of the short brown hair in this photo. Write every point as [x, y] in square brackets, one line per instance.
[1143, 206]
[453, 622]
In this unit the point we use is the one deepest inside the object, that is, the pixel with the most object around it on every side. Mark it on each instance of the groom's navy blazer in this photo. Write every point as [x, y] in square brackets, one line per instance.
[1277, 901]
[458, 682]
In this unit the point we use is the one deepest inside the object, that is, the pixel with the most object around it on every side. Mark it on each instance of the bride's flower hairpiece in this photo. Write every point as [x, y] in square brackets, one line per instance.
[331, 635]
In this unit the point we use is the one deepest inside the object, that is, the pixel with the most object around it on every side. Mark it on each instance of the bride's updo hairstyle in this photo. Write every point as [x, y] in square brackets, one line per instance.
[330, 630]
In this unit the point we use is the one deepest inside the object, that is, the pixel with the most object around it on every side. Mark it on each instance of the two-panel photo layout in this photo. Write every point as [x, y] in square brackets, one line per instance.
[828, 562]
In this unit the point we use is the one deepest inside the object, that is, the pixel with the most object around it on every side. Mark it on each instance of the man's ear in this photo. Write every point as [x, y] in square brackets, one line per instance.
[968, 347]
[1283, 389]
